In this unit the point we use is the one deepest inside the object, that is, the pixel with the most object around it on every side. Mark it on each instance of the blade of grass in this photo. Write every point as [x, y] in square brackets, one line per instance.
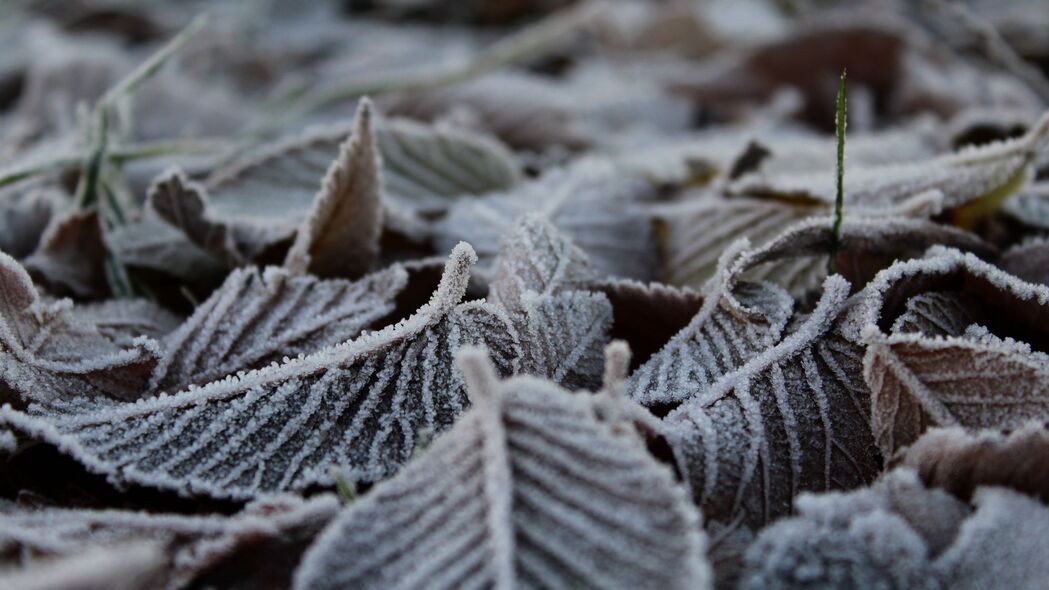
[87, 189]
[118, 154]
[839, 192]
[344, 488]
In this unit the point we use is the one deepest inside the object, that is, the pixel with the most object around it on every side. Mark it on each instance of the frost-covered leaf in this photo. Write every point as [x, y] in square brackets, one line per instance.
[897, 534]
[196, 549]
[244, 210]
[525, 111]
[153, 244]
[694, 235]
[697, 231]
[340, 235]
[974, 181]
[792, 417]
[536, 257]
[600, 209]
[133, 566]
[953, 340]
[734, 324]
[960, 462]
[258, 317]
[424, 166]
[48, 351]
[24, 215]
[861, 539]
[534, 487]
[359, 405]
[797, 258]
[539, 281]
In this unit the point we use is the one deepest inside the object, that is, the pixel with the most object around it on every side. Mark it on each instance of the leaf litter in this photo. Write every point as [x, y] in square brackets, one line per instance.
[531, 294]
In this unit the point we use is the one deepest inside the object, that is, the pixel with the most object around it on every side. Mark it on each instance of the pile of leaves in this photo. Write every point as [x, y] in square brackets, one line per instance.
[430, 294]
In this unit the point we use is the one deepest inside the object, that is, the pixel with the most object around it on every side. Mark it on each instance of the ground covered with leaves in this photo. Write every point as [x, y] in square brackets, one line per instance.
[530, 293]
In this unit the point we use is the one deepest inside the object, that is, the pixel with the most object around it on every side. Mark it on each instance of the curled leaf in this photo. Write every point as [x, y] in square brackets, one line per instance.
[960, 462]
[48, 351]
[952, 340]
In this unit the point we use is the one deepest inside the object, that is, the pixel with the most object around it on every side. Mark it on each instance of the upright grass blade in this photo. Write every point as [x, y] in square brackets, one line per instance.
[97, 155]
[839, 195]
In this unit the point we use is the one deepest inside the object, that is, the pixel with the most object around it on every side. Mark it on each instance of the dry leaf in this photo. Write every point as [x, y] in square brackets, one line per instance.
[960, 462]
[50, 352]
[359, 405]
[260, 317]
[969, 356]
[340, 235]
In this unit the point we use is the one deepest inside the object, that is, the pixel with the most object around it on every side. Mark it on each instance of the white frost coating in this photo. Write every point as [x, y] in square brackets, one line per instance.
[358, 405]
[697, 232]
[537, 257]
[340, 235]
[190, 544]
[931, 369]
[258, 317]
[48, 351]
[814, 239]
[790, 418]
[962, 177]
[529, 490]
[734, 324]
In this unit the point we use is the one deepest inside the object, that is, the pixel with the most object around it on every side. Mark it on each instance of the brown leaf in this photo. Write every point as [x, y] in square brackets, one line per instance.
[961, 462]
[340, 235]
[49, 352]
[972, 355]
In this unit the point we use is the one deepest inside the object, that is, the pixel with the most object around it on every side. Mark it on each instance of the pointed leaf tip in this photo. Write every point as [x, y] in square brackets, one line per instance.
[456, 276]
